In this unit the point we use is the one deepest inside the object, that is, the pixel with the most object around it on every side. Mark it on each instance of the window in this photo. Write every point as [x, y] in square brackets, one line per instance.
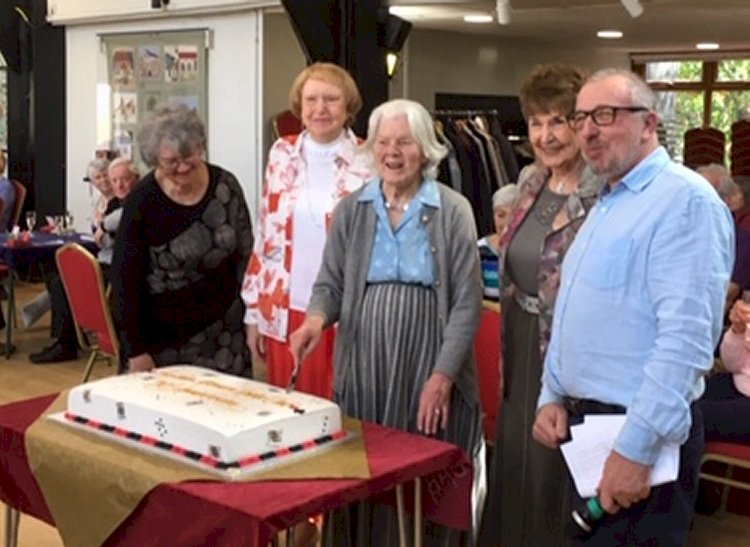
[695, 93]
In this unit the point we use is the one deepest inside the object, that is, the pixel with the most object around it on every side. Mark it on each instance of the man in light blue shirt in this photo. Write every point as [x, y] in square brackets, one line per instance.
[639, 312]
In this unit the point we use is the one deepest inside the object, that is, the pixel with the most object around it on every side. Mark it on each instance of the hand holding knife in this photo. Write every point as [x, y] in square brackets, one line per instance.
[302, 342]
[294, 376]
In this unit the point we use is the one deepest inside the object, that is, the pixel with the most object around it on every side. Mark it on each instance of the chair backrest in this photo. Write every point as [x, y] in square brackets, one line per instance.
[82, 278]
[286, 123]
[15, 216]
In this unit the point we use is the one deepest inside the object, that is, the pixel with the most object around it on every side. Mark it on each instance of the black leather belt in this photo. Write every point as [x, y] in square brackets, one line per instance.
[581, 407]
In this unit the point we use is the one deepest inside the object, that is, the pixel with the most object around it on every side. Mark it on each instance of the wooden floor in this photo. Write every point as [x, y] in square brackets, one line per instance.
[19, 379]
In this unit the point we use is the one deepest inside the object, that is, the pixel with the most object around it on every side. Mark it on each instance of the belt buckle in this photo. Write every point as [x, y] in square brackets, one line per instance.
[573, 406]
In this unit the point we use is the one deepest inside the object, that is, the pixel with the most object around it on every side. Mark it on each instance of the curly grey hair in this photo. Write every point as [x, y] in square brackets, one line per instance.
[99, 165]
[174, 126]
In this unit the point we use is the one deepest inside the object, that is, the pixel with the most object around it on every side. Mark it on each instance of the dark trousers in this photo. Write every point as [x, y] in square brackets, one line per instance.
[725, 411]
[663, 519]
[62, 327]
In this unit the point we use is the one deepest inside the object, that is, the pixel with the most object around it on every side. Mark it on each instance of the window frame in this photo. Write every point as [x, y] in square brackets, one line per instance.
[707, 85]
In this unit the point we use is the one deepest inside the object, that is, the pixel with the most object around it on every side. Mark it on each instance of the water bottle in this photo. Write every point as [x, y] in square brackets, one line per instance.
[586, 518]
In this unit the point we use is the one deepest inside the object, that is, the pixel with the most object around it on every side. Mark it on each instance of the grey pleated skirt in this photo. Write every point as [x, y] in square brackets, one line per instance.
[397, 344]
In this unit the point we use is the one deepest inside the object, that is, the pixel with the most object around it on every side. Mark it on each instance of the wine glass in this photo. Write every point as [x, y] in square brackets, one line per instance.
[59, 224]
[31, 220]
[68, 222]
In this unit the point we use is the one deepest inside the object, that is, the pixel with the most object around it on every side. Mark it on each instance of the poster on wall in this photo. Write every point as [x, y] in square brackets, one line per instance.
[146, 71]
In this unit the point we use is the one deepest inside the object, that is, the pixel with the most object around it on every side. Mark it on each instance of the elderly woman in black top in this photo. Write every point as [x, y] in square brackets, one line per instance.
[180, 254]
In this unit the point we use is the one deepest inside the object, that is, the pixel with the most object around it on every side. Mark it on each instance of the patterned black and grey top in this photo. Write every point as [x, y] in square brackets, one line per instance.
[176, 275]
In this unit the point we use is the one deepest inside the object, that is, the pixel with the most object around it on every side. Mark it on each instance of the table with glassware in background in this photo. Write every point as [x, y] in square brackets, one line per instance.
[28, 247]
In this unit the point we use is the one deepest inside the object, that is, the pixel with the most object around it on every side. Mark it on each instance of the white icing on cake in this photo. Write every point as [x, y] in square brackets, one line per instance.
[221, 417]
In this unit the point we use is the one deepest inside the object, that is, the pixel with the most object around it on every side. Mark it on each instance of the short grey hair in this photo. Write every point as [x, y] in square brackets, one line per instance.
[729, 187]
[99, 165]
[422, 129]
[175, 126]
[117, 162]
[640, 93]
[722, 174]
[507, 195]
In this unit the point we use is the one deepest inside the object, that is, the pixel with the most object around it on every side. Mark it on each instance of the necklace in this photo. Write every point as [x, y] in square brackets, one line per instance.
[397, 208]
[562, 182]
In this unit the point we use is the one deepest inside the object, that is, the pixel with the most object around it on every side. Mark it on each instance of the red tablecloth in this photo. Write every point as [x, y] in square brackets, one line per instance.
[219, 514]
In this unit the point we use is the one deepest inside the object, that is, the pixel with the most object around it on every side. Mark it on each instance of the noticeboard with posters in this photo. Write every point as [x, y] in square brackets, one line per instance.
[147, 70]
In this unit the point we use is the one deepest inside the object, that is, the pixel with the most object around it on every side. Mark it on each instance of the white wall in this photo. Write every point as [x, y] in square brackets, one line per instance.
[87, 11]
[283, 59]
[485, 65]
[234, 97]
[436, 62]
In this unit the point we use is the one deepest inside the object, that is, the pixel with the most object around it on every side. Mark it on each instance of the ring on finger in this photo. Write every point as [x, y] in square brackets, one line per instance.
[436, 411]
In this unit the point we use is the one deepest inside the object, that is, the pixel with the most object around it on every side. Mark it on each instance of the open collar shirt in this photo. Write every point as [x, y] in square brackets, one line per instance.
[640, 307]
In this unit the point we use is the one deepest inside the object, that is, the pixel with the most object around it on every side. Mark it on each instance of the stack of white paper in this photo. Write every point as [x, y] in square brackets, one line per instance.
[590, 445]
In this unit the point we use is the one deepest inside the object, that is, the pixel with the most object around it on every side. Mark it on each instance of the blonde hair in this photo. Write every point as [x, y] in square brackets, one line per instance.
[330, 74]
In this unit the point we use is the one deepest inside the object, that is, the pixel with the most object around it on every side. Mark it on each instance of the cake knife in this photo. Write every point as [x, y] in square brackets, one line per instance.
[293, 378]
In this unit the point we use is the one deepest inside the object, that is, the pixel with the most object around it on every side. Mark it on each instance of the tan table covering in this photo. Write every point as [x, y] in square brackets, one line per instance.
[92, 484]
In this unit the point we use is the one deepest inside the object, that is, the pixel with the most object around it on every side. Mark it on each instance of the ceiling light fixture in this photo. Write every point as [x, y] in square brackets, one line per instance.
[478, 18]
[634, 7]
[609, 34]
[503, 12]
[707, 45]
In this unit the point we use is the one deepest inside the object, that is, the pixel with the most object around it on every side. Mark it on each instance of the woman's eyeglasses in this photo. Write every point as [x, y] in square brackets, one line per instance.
[170, 164]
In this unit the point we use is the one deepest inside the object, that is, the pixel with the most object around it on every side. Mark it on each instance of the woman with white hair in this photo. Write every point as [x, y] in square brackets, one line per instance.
[400, 275]
[503, 201]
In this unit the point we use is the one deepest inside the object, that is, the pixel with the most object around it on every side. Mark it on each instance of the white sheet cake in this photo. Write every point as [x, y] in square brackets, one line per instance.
[216, 419]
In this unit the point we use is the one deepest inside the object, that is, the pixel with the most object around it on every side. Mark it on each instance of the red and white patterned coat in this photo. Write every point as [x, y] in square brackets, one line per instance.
[265, 288]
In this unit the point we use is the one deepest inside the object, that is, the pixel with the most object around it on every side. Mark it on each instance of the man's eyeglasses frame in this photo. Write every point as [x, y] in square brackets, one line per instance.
[602, 116]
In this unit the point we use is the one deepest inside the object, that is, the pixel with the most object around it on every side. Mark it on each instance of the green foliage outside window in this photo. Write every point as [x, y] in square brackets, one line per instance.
[684, 109]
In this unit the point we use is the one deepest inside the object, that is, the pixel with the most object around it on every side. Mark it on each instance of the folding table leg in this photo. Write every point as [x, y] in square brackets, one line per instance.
[418, 512]
[11, 526]
[401, 516]
[11, 313]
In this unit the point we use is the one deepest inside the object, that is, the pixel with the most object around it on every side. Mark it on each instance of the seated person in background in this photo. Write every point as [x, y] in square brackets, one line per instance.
[726, 402]
[122, 176]
[503, 201]
[97, 175]
[717, 175]
[101, 193]
[8, 195]
[734, 192]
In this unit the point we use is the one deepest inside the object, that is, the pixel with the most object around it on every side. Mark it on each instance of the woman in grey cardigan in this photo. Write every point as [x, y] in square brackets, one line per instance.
[400, 275]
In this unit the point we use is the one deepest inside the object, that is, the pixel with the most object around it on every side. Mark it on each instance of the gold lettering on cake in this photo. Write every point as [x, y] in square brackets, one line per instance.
[165, 382]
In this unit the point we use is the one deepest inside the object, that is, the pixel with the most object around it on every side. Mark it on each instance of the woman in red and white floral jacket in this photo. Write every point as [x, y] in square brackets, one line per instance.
[306, 176]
